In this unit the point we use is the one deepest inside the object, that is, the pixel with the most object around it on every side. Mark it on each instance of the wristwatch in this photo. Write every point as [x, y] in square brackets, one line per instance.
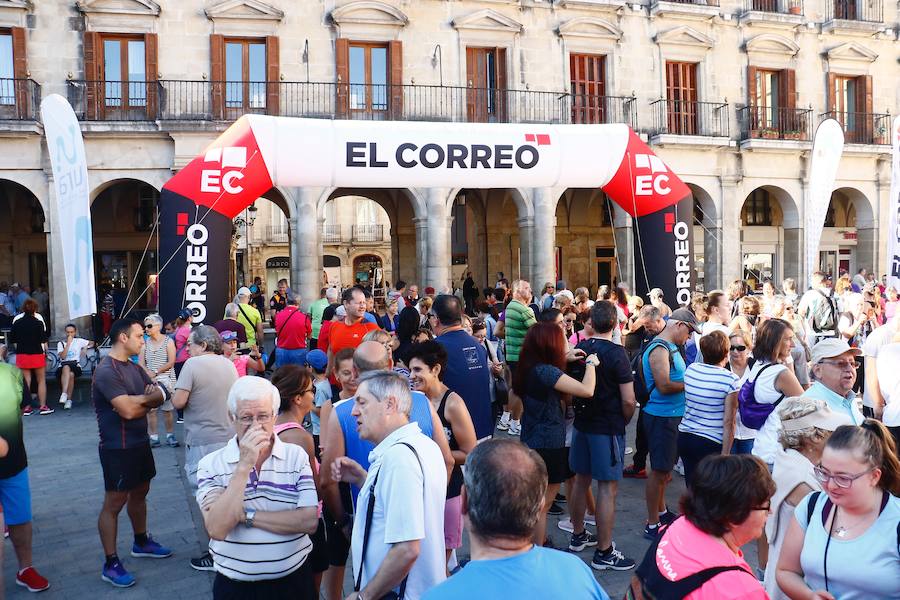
[249, 514]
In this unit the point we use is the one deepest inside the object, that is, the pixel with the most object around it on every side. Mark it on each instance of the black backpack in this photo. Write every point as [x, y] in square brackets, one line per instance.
[641, 390]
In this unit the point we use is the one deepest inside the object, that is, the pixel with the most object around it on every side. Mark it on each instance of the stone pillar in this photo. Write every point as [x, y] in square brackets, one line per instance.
[712, 260]
[526, 250]
[306, 245]
[794, 256]
[731, 254]
[421, 225]
[543, 254]
[623, 230]
[437, 239]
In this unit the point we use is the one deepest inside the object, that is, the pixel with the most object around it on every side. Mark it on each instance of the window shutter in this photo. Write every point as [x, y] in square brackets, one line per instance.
[865, 122]
[502, 86]
[830, 93]
[789, 88]
[751, 86]
[151, 51]
[273, 76]
[93, 84]
[342, 71]
[20, 72]
[470, 84]
[217, 74]
[395, 78]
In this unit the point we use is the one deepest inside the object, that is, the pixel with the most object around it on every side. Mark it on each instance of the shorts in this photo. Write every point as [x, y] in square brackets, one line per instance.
[192, 456]
[513, 365]
[31, 361]
[337, 545]
[694, 448]
[662, 441]
[15, 497]
[73, 365]
[453, 523]
[284, 356]
[126, 469]
[318, 556]
[601, 456]
[557, 461]
[297, 586]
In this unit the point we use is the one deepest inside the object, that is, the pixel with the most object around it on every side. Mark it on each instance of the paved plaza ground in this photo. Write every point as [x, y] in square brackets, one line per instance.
[67, 492]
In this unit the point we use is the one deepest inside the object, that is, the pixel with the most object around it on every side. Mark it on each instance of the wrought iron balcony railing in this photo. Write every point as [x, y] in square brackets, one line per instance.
[276, 234]
[332, 234]
[863, 128]
[20, 100]
[683, 117]
[867, 11]
[771, 123]
[784, 7]
[369, 232]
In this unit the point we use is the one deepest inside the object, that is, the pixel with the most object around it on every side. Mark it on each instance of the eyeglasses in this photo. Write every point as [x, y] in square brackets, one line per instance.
[738, 348]
[844, 365]
[261, 419]
[822, 475]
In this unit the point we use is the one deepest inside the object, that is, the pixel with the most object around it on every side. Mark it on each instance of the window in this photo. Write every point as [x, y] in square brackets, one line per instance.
[766, 98]
[124, 73]
[245, 76]
[368, 77]
[851, 104]
[7, 88]
[681, 93]
[486, 74]
[845, 9]
[588, 86]
[757, 209]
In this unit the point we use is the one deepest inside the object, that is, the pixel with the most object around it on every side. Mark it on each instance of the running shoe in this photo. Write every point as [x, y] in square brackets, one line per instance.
[154, 441]
[514, 429]
[632, 472]
[117, 575]
[150, 549]
[651, 533]
[580, 541]
[68, 404]
[503, 424]
[613, 560]
[31, 579]
[46, 410]
[171, 441]
[566, 524]
[554, 509]
[203, 563]
[667, 517]
[63, 397]
[27, 411]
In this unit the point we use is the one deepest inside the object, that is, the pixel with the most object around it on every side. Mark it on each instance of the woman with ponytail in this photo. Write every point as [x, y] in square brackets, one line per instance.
[845, 543]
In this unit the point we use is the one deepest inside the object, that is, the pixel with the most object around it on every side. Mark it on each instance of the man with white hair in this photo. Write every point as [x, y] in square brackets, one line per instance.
[397, 540]
[230, 323]
[258, 501]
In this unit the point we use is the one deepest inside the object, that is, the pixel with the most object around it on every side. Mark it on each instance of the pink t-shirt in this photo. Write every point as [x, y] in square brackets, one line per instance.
[685, 550]
[240, 365]
[181, 343]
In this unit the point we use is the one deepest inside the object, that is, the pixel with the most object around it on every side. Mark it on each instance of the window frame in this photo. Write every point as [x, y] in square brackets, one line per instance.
[587, 106]
[369, 102]
[246, 84]
[125, 84]
[682, 96]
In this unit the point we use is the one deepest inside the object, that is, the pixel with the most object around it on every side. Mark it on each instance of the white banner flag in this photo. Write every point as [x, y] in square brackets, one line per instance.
[893, 249]
[70, 182]
[828, 145]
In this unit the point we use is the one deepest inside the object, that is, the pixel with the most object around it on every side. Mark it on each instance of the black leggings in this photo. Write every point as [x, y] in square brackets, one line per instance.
[692, 449]
[298, 585]
[640, 443]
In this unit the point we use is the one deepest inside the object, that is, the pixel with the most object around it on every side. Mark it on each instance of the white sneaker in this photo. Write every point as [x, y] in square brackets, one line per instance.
[514, 428]
[503, 425]
[68, 404]
[679, 468]
[63, 398]
[628, 450]
[566, 524]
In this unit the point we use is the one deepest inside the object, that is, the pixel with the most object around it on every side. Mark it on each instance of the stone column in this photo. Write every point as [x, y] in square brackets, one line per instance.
[623, 230]
[437, 239]
[421, 225]
[731, 255]
[306, 245]
[543, 254]
[526, 249]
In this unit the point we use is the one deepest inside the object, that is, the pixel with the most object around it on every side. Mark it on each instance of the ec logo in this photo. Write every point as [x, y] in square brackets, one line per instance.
[213, 180]
[647, 185]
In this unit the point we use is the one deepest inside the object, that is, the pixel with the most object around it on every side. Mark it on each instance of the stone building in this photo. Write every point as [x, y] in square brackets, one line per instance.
[727, 92]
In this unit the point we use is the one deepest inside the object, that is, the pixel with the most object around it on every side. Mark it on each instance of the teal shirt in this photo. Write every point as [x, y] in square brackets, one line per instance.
[845, 405]
[665, 405]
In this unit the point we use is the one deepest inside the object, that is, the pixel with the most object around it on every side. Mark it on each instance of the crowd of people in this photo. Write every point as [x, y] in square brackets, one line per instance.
[380, 432]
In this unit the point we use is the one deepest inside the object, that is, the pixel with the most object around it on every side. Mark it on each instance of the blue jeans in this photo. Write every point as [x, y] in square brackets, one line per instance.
[290, 357]
[742, 446]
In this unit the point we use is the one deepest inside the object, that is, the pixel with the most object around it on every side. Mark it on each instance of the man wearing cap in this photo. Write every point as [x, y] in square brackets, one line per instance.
[664, 369]
[834, 371]
[230, 323]
[656, 299]
[249, 317]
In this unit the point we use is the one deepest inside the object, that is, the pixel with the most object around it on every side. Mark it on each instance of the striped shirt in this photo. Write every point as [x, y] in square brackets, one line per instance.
[705, 389]
[284, 482]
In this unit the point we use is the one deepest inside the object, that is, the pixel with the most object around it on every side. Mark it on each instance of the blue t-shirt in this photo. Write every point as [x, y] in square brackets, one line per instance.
[538, 573]
[467, 374]
[323, 393]
[358, 449]
[659, 404]
[370, 318]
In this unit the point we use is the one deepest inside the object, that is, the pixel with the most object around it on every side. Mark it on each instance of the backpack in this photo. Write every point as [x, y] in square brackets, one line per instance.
[823, 318]
[641, 390]
[753, 413]
[648, 583]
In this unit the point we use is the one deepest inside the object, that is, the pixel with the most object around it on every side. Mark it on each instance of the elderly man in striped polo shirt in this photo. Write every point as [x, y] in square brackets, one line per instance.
[258, 501]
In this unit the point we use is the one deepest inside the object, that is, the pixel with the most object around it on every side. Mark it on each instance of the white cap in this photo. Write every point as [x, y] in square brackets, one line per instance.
[244, 291]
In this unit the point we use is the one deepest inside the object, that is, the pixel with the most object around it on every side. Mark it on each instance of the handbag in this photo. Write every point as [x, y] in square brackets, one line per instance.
[501, 388]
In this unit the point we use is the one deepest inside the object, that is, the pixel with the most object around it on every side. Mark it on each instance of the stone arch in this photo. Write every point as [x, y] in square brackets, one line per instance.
[776, 251]
[707, 238]
[851, 209]
[105, 182]
[23, 236]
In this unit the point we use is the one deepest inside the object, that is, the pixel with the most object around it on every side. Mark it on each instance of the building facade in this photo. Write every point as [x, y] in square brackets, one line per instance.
[727, 92]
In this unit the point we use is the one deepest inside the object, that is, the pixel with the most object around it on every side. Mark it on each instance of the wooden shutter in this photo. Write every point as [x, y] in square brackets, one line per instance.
[151, 54]
[787, 93]
[831, 79]
[342, 71]
[471, 77]
[502, 87]
[273, 76]
[753, 110]
[217, 74]
[395, 79]
[93, 85]
[865, 122]
[20, 73]
[588, 87]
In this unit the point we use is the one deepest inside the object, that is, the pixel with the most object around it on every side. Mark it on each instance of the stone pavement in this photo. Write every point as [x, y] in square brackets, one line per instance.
[67, 492]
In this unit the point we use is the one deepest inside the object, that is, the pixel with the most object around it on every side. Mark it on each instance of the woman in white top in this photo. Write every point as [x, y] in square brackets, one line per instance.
[889, 382]
[807, 424]
[739, 363]
[158, 360]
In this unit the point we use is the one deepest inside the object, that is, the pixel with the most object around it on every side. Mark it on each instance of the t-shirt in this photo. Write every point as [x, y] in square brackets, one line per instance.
[767, 444]
[113, 378]
[248, 316]
[659, 404]
[181, 343]
[889, 382]
[12, 392]
[29, 333]
[844, 405]
[881, 337]
[323, 393]
[602, 414]
[75, 348]
[343, 336]
[705, 389]
[538, 573]
[865, 567]
[468, 375]
[231, 325]
[685, 550]
[292, 328]
[315, 311]
[207, 378]
[240, 364]
[543, 420]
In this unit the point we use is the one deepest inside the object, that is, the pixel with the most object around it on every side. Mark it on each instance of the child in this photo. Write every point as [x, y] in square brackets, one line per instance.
[343, 372]
[317, 361]
[229, 349]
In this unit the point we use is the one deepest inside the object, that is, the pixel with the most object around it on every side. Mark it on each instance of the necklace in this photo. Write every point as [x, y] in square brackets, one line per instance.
[843, 530]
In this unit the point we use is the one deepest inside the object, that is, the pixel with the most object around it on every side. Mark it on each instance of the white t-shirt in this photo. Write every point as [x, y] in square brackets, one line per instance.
[889, 382]
[876, 340]
[767, 444]
[408, 507]
[75, 348]
[741, 431]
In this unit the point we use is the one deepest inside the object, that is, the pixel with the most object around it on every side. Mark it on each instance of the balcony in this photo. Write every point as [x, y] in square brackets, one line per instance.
[690, 122]
[171, 100]
[20, 100]
[863, 128]
[332, 234]
[765, 127]
[276, 234]
[368, 233]
[696, 9]
[853, 16]
[784, 13]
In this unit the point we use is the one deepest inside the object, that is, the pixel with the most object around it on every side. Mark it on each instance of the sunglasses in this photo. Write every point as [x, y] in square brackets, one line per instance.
[738, 348]
[149, 325]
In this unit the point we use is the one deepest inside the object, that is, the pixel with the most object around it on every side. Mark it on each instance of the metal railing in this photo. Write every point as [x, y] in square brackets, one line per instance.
[369, 232]
[868, 11]
[863, 128]
[276, 234]
[20, 99]
[332, 234]
[772, 123]
[114, 100]
[695, 2]
[784, 7]
[682, 117]
[588, 108]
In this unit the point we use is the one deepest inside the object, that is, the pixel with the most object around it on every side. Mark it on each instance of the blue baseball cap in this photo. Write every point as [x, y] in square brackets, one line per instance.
[317, 359]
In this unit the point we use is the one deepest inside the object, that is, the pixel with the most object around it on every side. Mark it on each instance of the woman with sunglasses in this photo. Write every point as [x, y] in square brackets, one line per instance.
[843, 543]
[158, 360]
[740, 362]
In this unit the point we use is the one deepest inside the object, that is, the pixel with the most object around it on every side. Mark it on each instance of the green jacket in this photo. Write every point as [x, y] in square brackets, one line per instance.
[519, 318]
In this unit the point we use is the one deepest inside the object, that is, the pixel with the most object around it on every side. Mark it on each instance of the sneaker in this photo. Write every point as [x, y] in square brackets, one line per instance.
[171, 441]
[514, 428]
[31, 579]
[117, 575]
[27, 411]
[613, 560]
[580, 541]
[203, 563]
[651, 533]
[68, 404]
[629, 450]
[503, 423]
[760, 574]
[63, 397]
[554, 509]
[154, 441]
[679, 467]
[46, 410]
[566, 524]
[667, 517]
[150, 549]
[632, 472]
[179, 420]
[560, 499]
[590, 520]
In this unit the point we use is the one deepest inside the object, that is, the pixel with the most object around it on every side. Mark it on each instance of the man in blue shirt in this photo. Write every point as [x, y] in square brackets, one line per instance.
[505, 563]
[834, 370]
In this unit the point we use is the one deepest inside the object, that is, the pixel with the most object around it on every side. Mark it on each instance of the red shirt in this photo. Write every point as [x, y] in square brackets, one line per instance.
[292, 327]
[348, 336]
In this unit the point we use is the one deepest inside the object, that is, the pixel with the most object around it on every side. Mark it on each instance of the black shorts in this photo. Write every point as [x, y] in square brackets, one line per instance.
[318, 557]
[557, 461]
[298, 585]
[662, 441]
[336, 542]
[73, 365]
[124, 470]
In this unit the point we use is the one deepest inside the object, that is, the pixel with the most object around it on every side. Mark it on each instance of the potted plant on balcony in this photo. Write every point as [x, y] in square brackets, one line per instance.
[793, 134]
[768, 134]
[795, 8]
